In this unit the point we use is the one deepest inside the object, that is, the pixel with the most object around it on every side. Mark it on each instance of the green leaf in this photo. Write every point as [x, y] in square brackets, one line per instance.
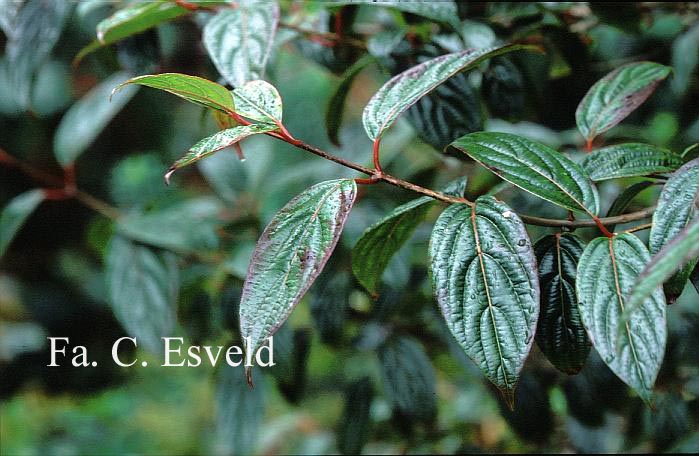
[691, 152]
[681, 251]
[216, 142]
[136, 18]
[606, 272]
[142, 288]
[15, 214]
[695, 278]
[239, 40]
[240, 412]
[258, 100]
[86, 119]
[335, 108]
[192, 88]
[405, 89]
[616, 95]
[484, 275]
[676, 209]
[408, 379]
[378, 244]
[329, 305]
[355, 425]
[624, 199]
[628, 160]
[291, 252]
[443, 11]
[685, 58]
[533, 167]
[560, 332]
[185, 227]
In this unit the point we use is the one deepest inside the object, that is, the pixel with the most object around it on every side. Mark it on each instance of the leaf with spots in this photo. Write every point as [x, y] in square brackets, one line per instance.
[560, 333]
[629, 160]
[632, 349]
[258, 100]
[484, 276]
[616, 95]
[291, 252]
[240, 40]
[405, 89]
[533, 167]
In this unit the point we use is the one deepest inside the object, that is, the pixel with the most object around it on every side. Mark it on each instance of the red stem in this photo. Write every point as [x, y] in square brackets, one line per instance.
[602, 228]
[377, 162]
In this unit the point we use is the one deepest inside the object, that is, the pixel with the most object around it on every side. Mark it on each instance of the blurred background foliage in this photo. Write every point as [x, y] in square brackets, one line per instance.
[353, 373]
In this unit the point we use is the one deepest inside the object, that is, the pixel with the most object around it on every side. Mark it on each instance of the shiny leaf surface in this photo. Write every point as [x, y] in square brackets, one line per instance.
[628, 160]
[258, 100]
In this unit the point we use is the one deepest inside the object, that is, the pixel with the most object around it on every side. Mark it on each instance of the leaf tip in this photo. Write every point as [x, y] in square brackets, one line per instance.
[169, 173]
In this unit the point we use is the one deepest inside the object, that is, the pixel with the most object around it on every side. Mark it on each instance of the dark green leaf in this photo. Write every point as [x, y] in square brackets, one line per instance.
[240, 411]
[533, 167]
[503, 88]
[355, 424]
[216, 142]
[616, 95]
[239, 40]
[444, 11]
[334, 111]
[691, 152]
[676, 209]
[258, 100]
[185, 227]
[695, 278]
[192, 88]
[137, 18]
[560, 332]
[624, 199]
[142, 288]
[15, 214]
[382, 240]
[484, 275]
[606, 272]
[627, 160]
[408, 379]
[330, 304]
[405, 89]
[290, 254]
[86, 119]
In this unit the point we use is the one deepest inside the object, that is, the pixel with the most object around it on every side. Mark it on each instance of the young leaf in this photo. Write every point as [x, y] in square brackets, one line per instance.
[405, 89]
[606, 272]
[290, 254]
[136, 18]
[484, 276]
[533, 167]
[676, 208]
[616, 95]
[258, 100]
[334, 111]
[192, 88]
[682, 250]
[627, 160]
[142, 288]
[239, 40]
[86, 119]
[15, 214]
[216, 142]
[560, 332]
[355, 424]
[408, 378]
[382, 240]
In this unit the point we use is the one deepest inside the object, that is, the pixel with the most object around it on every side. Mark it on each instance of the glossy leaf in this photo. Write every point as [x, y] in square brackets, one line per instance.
[239, 40]
[334, 111]
[606, 272]
[192, 88]
[136, 18]
[240, 412]
[86, 119]
[216, 142]
[484, 276]
[616, 95]
[408, 379]
[142, 288]
[258, 100]
[355, 425]
[676, 209]
[628, 160]
[291, 252]
[15, 214]
[560, 333]
[405, 89]
[533, 167]
[681, 251]
[378, 244]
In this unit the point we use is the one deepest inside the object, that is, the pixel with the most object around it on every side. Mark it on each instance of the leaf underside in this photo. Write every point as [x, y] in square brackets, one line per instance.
[628, 160]
[484, 276]
[606, 272]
